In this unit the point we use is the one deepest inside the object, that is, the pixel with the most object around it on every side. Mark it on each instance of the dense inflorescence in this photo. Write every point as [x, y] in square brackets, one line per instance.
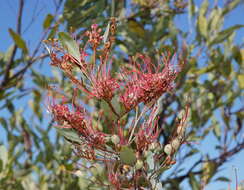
[146, 83]
[131, 151]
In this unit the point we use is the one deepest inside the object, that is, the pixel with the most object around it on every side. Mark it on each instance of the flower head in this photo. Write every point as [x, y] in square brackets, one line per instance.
[94, 36]
[146, 83]
[103, 85]
[148, 132]
[79, 121]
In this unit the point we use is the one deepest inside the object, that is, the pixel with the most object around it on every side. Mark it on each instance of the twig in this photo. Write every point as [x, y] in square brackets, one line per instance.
[33, 59]
[112, 108]
[18, 30]
[219, 161]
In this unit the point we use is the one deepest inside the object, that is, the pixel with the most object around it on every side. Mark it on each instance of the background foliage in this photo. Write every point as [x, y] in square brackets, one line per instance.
[33, 156]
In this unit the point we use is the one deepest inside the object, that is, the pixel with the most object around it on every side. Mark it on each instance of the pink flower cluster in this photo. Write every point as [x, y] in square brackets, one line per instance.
[146, 83]
[94, 36]
[103, 85]
[141, 81]
[79, 121]
[148, 133]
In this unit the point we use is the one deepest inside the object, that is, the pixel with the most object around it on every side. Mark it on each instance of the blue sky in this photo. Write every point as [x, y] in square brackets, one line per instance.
[32, 35]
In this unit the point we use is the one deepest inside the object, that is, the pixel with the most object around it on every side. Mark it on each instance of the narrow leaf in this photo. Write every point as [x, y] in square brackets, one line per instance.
[241, 80]
[194, 183]
[203, 25]
[48, 20]
[230, 6]
[70, 45]
[191, 8]
[18, 41]
[204, 8]
[3, 156]
[69, 134]
[105, 35]
[221, 36]
[224, 179]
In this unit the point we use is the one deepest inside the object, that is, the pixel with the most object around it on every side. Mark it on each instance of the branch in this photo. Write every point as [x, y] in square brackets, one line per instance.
[18, 30]
[219, 161]
[33, 59]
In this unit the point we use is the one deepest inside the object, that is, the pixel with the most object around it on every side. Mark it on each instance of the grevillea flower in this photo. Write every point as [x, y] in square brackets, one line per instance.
[79, 121]
[148, 132]
[103, 85]
[112, 140]
[146, 83]
[68, 119]
[114, 179]
[94, 36]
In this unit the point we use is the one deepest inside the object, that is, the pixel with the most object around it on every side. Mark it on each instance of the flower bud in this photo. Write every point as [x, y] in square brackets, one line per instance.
[181, 130]
[145, 153]
[168, 149]
[107, 139]
[139, 164]
[154, 146]
[175, 143]
[115, 139]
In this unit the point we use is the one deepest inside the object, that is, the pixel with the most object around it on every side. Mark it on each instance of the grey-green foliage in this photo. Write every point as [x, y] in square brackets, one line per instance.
[208, 51]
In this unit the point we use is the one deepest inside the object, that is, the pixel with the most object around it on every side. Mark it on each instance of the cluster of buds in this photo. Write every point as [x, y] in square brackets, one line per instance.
[129, 148]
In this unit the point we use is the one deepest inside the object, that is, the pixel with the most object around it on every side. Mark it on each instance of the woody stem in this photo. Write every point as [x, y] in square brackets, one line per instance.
[112, 108]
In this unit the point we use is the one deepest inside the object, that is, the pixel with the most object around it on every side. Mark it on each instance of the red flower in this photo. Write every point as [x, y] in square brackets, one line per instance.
[103, 85]
[114, 179]
[79, 121]
[146, 83]
[94, 36]
[148, 132]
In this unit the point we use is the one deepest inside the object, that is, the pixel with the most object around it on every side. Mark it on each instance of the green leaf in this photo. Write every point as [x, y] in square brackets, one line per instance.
[223, 35]
[240, 79]
[216, 19]
[203, 25]
[136, 28]
[202, 21]
[28, 183]
[209, 169]
[216, 128]
[1, 166]
[226, 68]
[107, 111]
[3, 156]
[204, 8]
[119, 108]
[143, 182]
[106, 33]
[238, 54]
[70, 45]
[191, 8]
[194, 183]
[3, 122]
[35, 104]
[150, 160]
[8, 53]
[230, 6]
[127, 155]
[18, 41]
[69, 134]
[83, 183]
[48, 20]
[224, 179]
[10, 106]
